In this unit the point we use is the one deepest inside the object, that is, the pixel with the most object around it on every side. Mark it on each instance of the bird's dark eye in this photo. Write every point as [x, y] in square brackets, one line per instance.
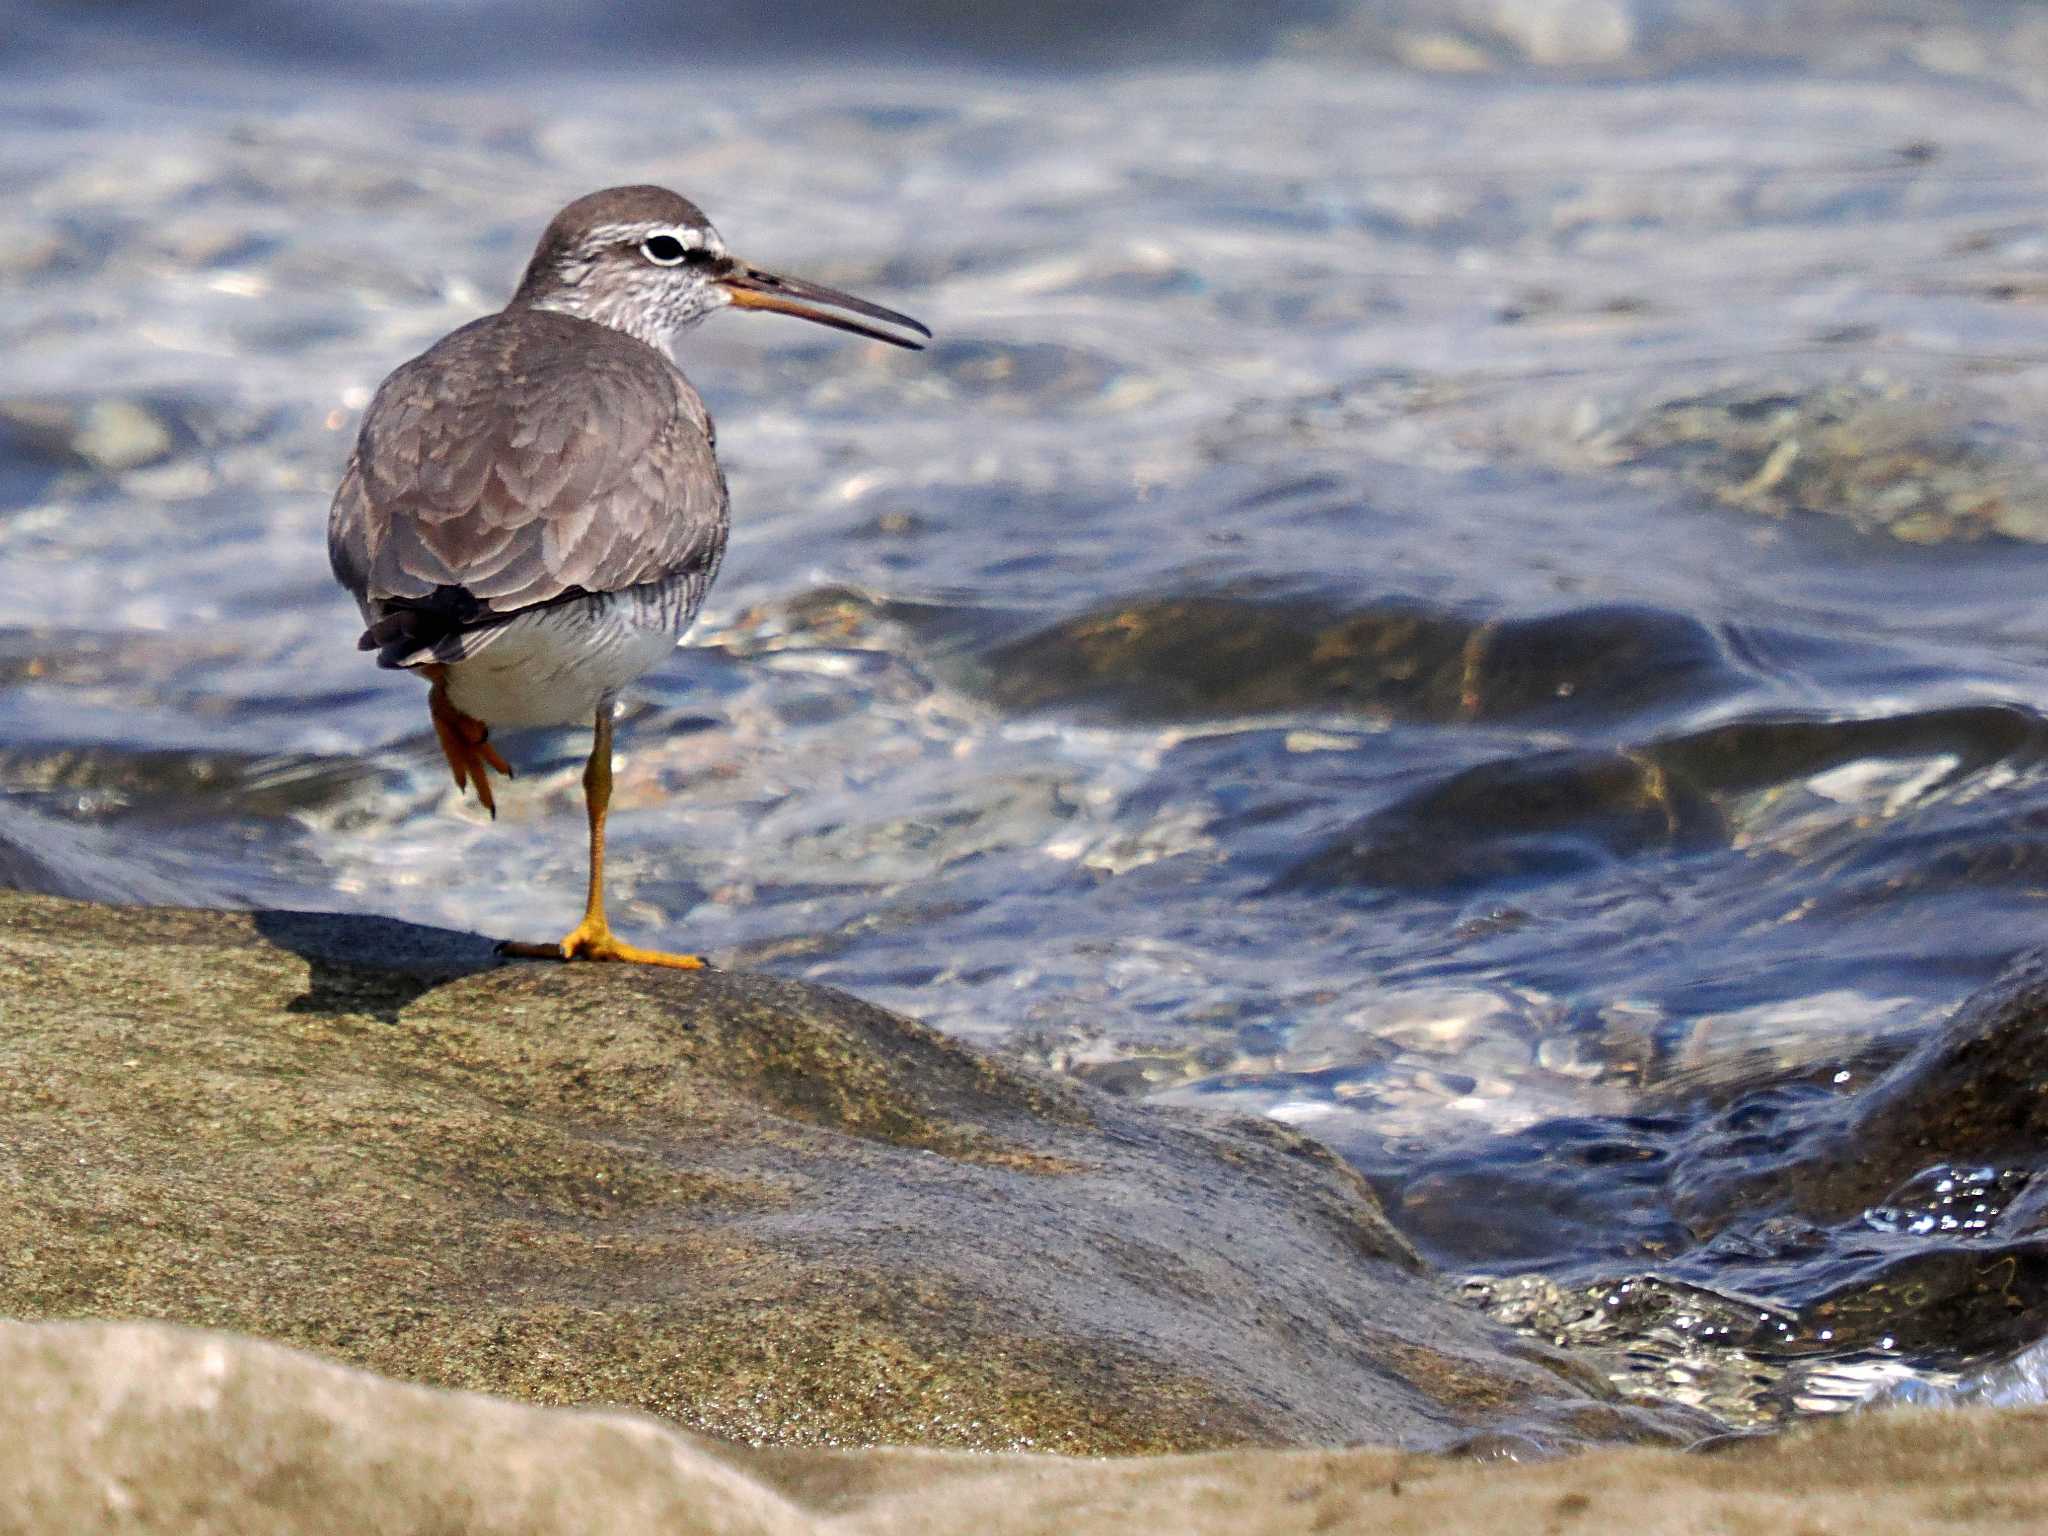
[665, 250]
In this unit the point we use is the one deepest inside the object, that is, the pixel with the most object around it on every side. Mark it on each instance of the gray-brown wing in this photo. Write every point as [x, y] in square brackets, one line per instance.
[525, 458]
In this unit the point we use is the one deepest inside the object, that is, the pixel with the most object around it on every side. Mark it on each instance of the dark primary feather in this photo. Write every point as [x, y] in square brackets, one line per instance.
[526, 458]
[431, 629]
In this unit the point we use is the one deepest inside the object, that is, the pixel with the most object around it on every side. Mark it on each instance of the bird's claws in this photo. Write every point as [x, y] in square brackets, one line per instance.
[466, 743]
[592, 940]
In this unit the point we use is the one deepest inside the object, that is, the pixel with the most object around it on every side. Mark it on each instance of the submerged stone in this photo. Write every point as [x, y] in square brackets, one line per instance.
[1547, 816]
[1207, 654]
[1868, 449]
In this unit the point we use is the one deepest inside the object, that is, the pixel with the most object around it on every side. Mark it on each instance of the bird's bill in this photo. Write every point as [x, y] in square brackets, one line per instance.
[751, 288]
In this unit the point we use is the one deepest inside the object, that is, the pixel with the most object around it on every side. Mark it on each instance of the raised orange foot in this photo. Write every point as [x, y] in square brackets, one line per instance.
[466, 743]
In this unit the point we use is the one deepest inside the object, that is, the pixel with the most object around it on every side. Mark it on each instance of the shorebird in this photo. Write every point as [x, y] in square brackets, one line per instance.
[534, 508]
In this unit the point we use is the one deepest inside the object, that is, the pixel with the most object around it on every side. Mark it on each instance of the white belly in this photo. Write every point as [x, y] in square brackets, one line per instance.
[554, 666]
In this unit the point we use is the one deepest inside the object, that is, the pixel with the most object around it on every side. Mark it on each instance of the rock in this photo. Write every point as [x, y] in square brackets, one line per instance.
[1740, 757]
[1544, 815]
[1203, 655]
[1742, 1242]
[1441, 53]
[147, 1429]
[1736, 1242]
[68, 857]
[1924, 1187]
[1555, 33]
[1548, 815]
[1869, 449]
[141, 1427]
[121, 434]
[103, 780]
[107, 844]
[110, 434]
[759, 1209]
[1973, 1094]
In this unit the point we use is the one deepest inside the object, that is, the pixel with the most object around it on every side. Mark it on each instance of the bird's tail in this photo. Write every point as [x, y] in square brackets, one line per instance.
[446, 627]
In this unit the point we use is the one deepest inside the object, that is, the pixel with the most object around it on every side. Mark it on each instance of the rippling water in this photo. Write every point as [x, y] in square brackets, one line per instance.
[1476, 602]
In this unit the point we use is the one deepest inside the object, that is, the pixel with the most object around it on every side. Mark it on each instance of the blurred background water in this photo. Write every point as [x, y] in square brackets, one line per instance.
[1460, 574]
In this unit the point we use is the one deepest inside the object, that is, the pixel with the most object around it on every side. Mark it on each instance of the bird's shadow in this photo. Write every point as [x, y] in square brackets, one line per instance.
[372, 966]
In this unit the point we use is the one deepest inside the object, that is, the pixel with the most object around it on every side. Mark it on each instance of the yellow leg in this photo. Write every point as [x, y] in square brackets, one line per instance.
[592, 938]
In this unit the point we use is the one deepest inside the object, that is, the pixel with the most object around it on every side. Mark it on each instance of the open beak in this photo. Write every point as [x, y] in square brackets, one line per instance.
[750, 288]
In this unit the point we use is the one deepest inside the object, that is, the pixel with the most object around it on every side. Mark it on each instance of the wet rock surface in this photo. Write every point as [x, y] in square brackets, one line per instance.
[1926, 1188]
[154, 1429]
[1503, 823]
[762, 1210]
[1804, 1242]
[1199, 657]
[1972, 1095]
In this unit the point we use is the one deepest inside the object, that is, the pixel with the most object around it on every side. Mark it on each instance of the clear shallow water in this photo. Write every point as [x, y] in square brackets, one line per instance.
[1476, 614]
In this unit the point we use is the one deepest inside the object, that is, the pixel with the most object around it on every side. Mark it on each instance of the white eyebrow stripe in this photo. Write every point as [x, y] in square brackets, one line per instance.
[614, 234]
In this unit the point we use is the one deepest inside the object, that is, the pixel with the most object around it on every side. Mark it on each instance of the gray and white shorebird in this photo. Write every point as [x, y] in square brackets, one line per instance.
[534, 510]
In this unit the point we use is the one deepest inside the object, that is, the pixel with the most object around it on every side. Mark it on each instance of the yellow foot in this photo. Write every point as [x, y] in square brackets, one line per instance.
[594, 941]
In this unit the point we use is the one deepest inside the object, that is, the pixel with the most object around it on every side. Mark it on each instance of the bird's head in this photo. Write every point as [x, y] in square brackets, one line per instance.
[647, 262]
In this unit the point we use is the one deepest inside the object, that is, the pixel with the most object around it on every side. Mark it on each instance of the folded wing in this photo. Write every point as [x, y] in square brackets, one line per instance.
[519, 464]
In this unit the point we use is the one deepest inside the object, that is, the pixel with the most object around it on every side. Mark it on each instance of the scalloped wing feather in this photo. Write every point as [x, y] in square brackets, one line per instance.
[525, 458]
